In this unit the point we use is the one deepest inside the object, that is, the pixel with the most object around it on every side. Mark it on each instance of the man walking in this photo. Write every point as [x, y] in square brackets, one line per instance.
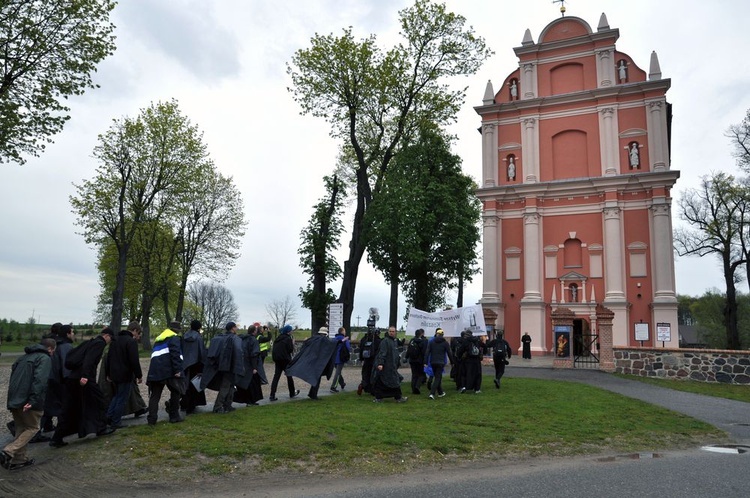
[26, 392]
[224, 366]
[387, 383]
[438, 354]
[121, 368]
[340, 359]
[194, 357]
[85, 406]
[281, 354]
[166, 370]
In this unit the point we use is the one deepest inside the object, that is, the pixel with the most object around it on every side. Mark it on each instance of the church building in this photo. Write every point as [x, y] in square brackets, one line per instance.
[576, 183]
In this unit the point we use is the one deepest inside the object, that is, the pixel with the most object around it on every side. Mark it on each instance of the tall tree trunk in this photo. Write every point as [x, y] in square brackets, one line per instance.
[393, 308]
[119, 291]
[730, 308]
[460, 298]
[145, 324]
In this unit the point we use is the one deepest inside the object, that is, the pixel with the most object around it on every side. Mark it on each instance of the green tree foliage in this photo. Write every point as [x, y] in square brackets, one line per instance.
[423, 228]
[714, 214]
[209, 226]
[320, 238]
[153, 169]
[708, 311]
[375, 100]
[48, 49]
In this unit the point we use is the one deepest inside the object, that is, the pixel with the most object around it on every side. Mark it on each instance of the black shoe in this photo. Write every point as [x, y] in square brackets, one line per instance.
[57, 444]
[334, 390]
[497, 383]
[229, 409]
[106, 431]
[220, 411]
[176, 420]
[343, 385]
[296, 393]
[253, 404]
[139, 413]
[40, 438]
[273, 398]
[5, 460]
[360, 388]
[16, 466]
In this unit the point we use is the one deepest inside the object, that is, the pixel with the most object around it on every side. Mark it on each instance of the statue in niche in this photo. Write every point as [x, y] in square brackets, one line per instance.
[622, 71]
[573, 293]
[511, 168]
[634, 155]
[513, 90]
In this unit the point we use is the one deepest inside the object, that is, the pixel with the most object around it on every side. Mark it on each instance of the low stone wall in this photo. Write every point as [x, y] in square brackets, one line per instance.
[705, 365]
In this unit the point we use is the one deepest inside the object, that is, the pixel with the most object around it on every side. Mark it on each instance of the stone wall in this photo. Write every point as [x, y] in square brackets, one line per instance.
[704, 365]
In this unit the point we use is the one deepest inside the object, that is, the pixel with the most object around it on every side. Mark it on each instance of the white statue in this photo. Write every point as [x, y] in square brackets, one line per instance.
[622, 71]
[513, 90]
[634, 154]
[511, 169]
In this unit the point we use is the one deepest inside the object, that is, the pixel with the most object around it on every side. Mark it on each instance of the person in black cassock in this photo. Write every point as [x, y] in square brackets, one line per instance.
[224, 366]
[249, 384]
[193, 359]
[387, 380]
[84, 409]
[314, 360]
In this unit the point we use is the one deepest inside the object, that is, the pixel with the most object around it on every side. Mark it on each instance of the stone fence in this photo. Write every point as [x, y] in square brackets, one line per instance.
[704, 365]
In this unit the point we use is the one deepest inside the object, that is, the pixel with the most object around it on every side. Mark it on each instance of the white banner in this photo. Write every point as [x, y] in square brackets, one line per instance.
[453, 322]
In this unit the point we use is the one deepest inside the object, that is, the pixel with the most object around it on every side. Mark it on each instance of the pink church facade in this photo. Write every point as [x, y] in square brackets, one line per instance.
[575, 186]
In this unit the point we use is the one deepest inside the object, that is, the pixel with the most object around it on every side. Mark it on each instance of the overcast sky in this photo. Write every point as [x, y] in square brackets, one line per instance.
[225, 63]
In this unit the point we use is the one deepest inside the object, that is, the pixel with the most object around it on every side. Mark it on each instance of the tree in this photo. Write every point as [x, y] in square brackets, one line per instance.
[49, 50]
[215, 304]
[374, 100]
[281, 311]
[144, 169]
[424, 226]
[319, 239]
[739, 135]
[712, 212]
[209, 227]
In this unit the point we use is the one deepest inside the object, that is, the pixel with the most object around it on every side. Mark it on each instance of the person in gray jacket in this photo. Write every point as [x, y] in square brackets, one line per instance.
[26, 393]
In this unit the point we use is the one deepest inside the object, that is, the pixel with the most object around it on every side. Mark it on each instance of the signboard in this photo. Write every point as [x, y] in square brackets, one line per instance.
[453, 321]
[663, 332]
[641, 331]
[335, 318]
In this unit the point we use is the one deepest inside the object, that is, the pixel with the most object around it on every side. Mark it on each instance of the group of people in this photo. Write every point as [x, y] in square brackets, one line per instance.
[428, 359]
[53, 379]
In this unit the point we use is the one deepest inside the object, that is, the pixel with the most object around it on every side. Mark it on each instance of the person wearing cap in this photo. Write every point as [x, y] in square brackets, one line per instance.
[281, 354]
[438, 354]
[166, 370]
[85, 407]
[193, 359]
[315, 359]
[224, 366]
[387, 380]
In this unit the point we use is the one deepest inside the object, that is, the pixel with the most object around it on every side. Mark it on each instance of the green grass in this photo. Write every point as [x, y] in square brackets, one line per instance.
[728, 391]
[348, 433]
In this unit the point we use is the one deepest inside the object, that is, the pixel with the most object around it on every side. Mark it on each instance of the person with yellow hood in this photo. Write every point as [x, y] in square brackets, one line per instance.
[166, 370]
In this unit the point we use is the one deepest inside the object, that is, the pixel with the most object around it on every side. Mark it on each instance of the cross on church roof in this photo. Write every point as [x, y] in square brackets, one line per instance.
[562, 6]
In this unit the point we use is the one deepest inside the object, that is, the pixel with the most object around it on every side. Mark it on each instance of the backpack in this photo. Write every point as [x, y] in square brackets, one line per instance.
[414, 351]
[74, 358]
[366, 348]
[474, 351]
[344, 354]
[500, 350]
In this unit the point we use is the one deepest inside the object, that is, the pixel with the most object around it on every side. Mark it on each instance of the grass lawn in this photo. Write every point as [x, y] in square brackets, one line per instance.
[349, 434]
[728, 391]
